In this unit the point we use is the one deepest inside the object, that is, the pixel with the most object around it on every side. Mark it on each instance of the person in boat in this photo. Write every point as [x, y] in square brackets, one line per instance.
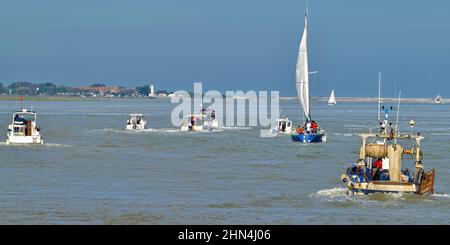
[192, 120]
[377, 165]
[213, 114]
[299, 130]
[18, 118]
[314, 126]
[308, 127]
[383, 126]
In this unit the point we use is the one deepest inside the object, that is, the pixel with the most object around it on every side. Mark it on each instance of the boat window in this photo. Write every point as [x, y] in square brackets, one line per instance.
[19, 130]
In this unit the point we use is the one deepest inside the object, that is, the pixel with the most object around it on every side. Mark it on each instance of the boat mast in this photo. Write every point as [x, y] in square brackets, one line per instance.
[398, 110]
[379, 95]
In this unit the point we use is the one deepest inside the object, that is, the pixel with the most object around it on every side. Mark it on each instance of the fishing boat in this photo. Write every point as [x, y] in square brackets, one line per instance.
[332, 99]
[23, 128]
[136, 122]
[438, 100]
[379, 165]
[310, 131]
[282, 126]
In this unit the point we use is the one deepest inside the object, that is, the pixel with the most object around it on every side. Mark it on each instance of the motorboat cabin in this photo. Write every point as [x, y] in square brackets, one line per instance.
[136, 122]
[196, 122]
[23, 129]
[282, 126]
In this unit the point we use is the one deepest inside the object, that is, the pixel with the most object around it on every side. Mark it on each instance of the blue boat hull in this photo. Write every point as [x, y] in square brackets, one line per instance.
[308, 138]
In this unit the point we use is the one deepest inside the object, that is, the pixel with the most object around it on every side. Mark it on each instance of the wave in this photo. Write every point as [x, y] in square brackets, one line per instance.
[57, 145]
[333, 192]
[147, 130]
[440, 195]
[341, 134]
[235, 128]
[33, 145]
[441, 134]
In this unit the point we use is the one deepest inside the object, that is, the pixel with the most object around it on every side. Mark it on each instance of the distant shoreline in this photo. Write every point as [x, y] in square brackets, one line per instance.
[338, 99]
[375, 100]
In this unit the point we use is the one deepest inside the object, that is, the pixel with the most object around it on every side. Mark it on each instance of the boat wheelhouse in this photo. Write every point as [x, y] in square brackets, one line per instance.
[196, 122]
[282, 126]
[136, 122]
[23, 129]
[209, 116]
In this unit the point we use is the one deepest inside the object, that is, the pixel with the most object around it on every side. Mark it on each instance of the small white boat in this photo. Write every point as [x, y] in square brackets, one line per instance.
[196, 122]
[439, 100]
[23, 129]
[332, 99]
[282, 126]
[136, 122]
[210, 118]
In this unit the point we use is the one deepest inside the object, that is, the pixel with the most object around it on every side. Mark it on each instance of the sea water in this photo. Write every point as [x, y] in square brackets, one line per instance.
[92, 171]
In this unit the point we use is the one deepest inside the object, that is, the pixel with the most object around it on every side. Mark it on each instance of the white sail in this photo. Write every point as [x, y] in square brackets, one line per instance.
[332, 99]
[301, 76]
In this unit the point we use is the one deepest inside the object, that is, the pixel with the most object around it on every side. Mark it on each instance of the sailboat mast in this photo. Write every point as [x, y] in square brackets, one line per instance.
[307, 67]
[379, 95]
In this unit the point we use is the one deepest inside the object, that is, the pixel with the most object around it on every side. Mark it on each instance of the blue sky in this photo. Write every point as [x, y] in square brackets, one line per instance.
[229, 45]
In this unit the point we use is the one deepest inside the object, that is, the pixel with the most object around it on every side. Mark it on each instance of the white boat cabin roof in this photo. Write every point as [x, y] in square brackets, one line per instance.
[194, 115]
[283, 120]
[24, 111]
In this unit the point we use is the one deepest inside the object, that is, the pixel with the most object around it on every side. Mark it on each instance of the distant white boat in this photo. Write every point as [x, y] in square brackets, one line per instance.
[204, 121]
[332, 99]
[282, 126]
[23, 129]
[196, 122]
[439, 100]
[210, 117]
[136, 122]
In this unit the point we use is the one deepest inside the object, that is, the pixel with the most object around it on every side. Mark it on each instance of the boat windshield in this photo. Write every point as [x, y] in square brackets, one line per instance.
[20, 118]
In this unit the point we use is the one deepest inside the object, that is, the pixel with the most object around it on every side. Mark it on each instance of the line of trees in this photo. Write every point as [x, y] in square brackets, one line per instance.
[48, 88]
[28, 88]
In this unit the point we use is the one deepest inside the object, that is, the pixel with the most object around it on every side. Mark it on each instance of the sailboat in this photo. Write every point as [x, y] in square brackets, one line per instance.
[332, 99]
[311, 131]
[438, 100]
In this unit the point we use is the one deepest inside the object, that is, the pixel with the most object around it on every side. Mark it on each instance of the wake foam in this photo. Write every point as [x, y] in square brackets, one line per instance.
[333, 192]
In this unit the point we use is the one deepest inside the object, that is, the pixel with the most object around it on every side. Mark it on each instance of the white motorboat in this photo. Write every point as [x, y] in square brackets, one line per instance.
[136, 122]
[196, 122]
[282, 126]
[210, 118]
[23, 129]
[439, 100]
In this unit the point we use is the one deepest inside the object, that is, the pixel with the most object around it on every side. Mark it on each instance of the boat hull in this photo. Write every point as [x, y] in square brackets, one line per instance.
[135, 126]
[308, 138]
[425, 187]
[24, 140]
[195, 128]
